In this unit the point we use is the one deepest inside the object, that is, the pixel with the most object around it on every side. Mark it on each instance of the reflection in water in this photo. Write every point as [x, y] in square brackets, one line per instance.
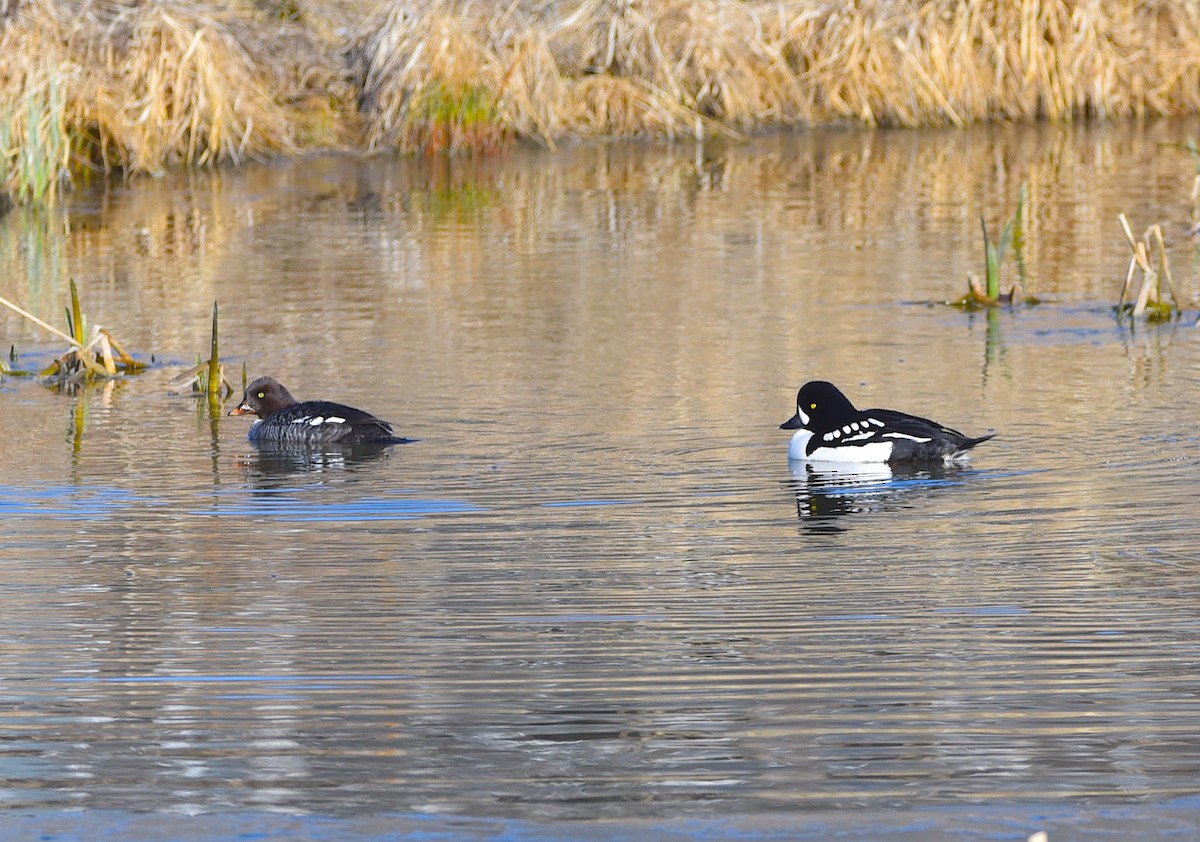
[829, 491]
[267, 462]
[580, 595]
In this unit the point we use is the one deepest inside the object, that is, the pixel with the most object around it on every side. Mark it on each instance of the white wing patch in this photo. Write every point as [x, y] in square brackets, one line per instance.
[318, 420]
[905, 436]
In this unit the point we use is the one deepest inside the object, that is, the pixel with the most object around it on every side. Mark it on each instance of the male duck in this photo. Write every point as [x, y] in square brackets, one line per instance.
[829, 429]
[285, 421]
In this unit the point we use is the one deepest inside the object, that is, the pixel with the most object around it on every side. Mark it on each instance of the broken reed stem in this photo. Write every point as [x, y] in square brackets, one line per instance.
[1166, 266]
[39, 322]
[106, 354]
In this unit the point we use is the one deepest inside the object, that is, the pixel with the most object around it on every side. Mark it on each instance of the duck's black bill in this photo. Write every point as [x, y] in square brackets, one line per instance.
[793, 423]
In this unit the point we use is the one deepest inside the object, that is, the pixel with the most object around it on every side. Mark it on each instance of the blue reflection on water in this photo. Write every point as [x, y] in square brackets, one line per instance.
[68, 502]
[293, 508]
[223, 679]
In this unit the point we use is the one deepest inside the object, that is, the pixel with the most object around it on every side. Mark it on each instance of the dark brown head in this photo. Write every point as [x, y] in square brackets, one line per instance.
[264, 397]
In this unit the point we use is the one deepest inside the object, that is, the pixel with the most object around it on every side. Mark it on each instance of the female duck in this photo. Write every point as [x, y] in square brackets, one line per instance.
[282, 420]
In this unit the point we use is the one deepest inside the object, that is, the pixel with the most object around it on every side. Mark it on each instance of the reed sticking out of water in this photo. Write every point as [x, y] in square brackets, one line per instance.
[1149, 256]
[96, 354]
[6, 366]
[208, 376]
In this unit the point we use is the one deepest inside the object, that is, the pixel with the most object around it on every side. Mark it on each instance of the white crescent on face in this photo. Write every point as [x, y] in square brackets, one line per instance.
[798, 446]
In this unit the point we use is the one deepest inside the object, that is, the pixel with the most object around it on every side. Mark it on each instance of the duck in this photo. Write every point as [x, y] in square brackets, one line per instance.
[830, 429]
[285, 421]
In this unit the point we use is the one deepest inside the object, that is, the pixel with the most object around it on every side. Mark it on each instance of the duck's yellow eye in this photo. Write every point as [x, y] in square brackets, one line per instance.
[262, 394]
[810, 406]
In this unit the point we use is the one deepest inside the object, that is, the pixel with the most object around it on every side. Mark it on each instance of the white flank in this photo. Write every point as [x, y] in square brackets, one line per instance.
[316, 422]
[874, 452]
[333, 419]
[904, 436]
[875, 421]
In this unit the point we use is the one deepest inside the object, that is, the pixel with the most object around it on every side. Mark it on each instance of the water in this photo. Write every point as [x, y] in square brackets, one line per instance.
[594, 600]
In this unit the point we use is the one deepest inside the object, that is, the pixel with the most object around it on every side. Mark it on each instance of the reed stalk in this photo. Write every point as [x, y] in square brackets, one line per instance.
[1149, 257]
[208, 376]
[214, 357]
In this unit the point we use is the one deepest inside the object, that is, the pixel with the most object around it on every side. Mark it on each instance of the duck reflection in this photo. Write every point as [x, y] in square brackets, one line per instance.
[282, 462]
[826, 492]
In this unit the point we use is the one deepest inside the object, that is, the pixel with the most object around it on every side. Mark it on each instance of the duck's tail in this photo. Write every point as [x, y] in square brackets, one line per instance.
[960, 451]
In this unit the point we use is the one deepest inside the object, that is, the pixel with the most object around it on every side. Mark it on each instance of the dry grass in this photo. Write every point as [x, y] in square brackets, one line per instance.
[428, 81]
[135, 87]
[138, 86]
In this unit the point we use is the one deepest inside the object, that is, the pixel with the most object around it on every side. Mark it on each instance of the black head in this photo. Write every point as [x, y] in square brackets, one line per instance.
[820, 406]
[264, 397]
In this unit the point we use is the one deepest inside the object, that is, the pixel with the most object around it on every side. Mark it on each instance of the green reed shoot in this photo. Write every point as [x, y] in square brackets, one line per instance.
[214, 357]
[1011, 235]
[993, 255]
[208, 376]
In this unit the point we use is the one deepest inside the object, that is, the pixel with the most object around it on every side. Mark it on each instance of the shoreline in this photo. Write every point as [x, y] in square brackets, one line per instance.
[142, 88]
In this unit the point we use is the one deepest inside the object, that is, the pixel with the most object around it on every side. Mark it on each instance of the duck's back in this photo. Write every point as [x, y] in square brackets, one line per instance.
[916, 439]
[322, 422]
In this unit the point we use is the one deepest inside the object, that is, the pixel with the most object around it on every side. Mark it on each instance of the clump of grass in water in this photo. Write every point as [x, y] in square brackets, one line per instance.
[96, 355]
[1012, 235]
[1150, 301]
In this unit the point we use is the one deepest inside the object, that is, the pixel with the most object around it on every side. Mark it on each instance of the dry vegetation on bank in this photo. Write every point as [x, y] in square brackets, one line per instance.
[139, 86]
